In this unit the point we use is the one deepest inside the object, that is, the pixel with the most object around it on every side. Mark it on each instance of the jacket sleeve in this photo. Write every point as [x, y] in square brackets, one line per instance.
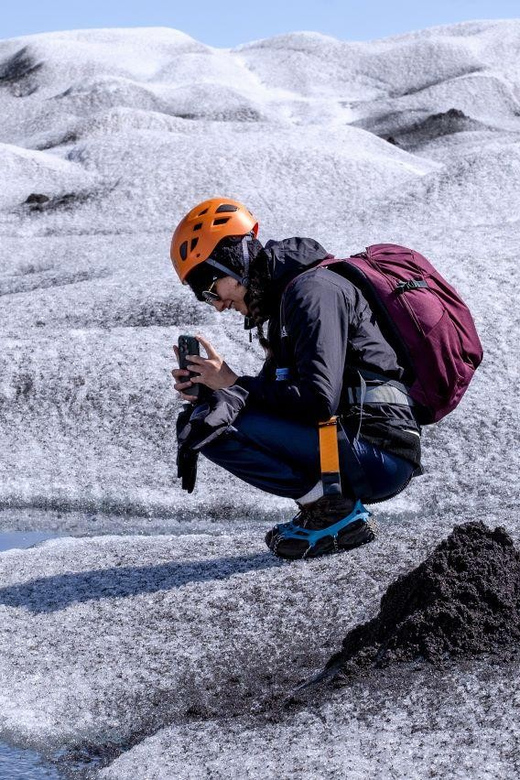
[317, 313]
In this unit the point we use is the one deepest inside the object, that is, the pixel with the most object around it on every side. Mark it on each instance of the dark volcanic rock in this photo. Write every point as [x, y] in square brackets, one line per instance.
[447, 123]
[18, 73]
[464, 599]
[62, 140]
[413, 129]
[37, 202]
[38, 198]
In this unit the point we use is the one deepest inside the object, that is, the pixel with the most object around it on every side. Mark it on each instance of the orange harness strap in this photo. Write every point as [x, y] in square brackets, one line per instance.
[329, 457]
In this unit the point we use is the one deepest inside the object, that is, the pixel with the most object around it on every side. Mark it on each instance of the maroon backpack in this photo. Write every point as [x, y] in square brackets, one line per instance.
[423, 318]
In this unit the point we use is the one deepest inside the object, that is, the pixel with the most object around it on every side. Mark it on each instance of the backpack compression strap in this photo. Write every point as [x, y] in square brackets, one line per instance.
[329, 457]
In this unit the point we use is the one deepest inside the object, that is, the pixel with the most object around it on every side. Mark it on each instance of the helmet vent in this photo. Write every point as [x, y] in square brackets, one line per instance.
[202, 212]
[197, 227]
[221, 221]
[183, 250]
[194, 242]
[226, 207]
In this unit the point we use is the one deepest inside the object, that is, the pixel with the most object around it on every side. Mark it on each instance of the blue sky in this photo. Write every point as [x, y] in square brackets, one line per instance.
[224, 23]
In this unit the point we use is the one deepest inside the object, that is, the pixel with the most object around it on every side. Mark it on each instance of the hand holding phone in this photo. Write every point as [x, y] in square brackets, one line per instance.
[210, 373]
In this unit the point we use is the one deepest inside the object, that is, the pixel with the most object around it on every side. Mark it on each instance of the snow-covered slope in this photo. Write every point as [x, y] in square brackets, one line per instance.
[107, 137]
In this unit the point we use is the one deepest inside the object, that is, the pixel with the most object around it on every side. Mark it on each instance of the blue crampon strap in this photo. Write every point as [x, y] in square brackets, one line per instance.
[293, 531]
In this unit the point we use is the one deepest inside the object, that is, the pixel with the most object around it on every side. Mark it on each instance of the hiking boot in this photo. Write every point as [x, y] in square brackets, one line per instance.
[328, 525]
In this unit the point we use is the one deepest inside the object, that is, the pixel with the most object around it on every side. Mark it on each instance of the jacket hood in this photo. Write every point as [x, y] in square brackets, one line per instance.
[285, 260]
[290, 257]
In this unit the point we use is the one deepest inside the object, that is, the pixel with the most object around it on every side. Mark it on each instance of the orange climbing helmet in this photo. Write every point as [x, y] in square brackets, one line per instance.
[199, 232]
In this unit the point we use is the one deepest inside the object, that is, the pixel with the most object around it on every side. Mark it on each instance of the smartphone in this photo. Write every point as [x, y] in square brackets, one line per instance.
[188, 345]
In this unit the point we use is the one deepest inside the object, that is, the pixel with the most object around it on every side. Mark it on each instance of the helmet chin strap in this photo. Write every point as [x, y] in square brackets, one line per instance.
[245, 258]
[248, 321]
[224, 270]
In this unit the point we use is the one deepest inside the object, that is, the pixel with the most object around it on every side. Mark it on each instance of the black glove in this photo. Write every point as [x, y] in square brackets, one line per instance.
[202, 424]
[186, 457]
[187, 468]
[211, 419]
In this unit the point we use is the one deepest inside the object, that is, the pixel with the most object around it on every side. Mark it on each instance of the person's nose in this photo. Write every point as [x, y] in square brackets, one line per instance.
[219, 305]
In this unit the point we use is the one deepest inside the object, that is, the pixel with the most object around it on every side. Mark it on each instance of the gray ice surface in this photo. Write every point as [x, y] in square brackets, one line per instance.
[158, 637]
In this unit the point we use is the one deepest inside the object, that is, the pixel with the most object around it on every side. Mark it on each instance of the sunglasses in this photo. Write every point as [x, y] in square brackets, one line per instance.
[210, 296]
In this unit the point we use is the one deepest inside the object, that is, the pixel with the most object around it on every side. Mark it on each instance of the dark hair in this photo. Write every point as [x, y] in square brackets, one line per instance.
[228, 253]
